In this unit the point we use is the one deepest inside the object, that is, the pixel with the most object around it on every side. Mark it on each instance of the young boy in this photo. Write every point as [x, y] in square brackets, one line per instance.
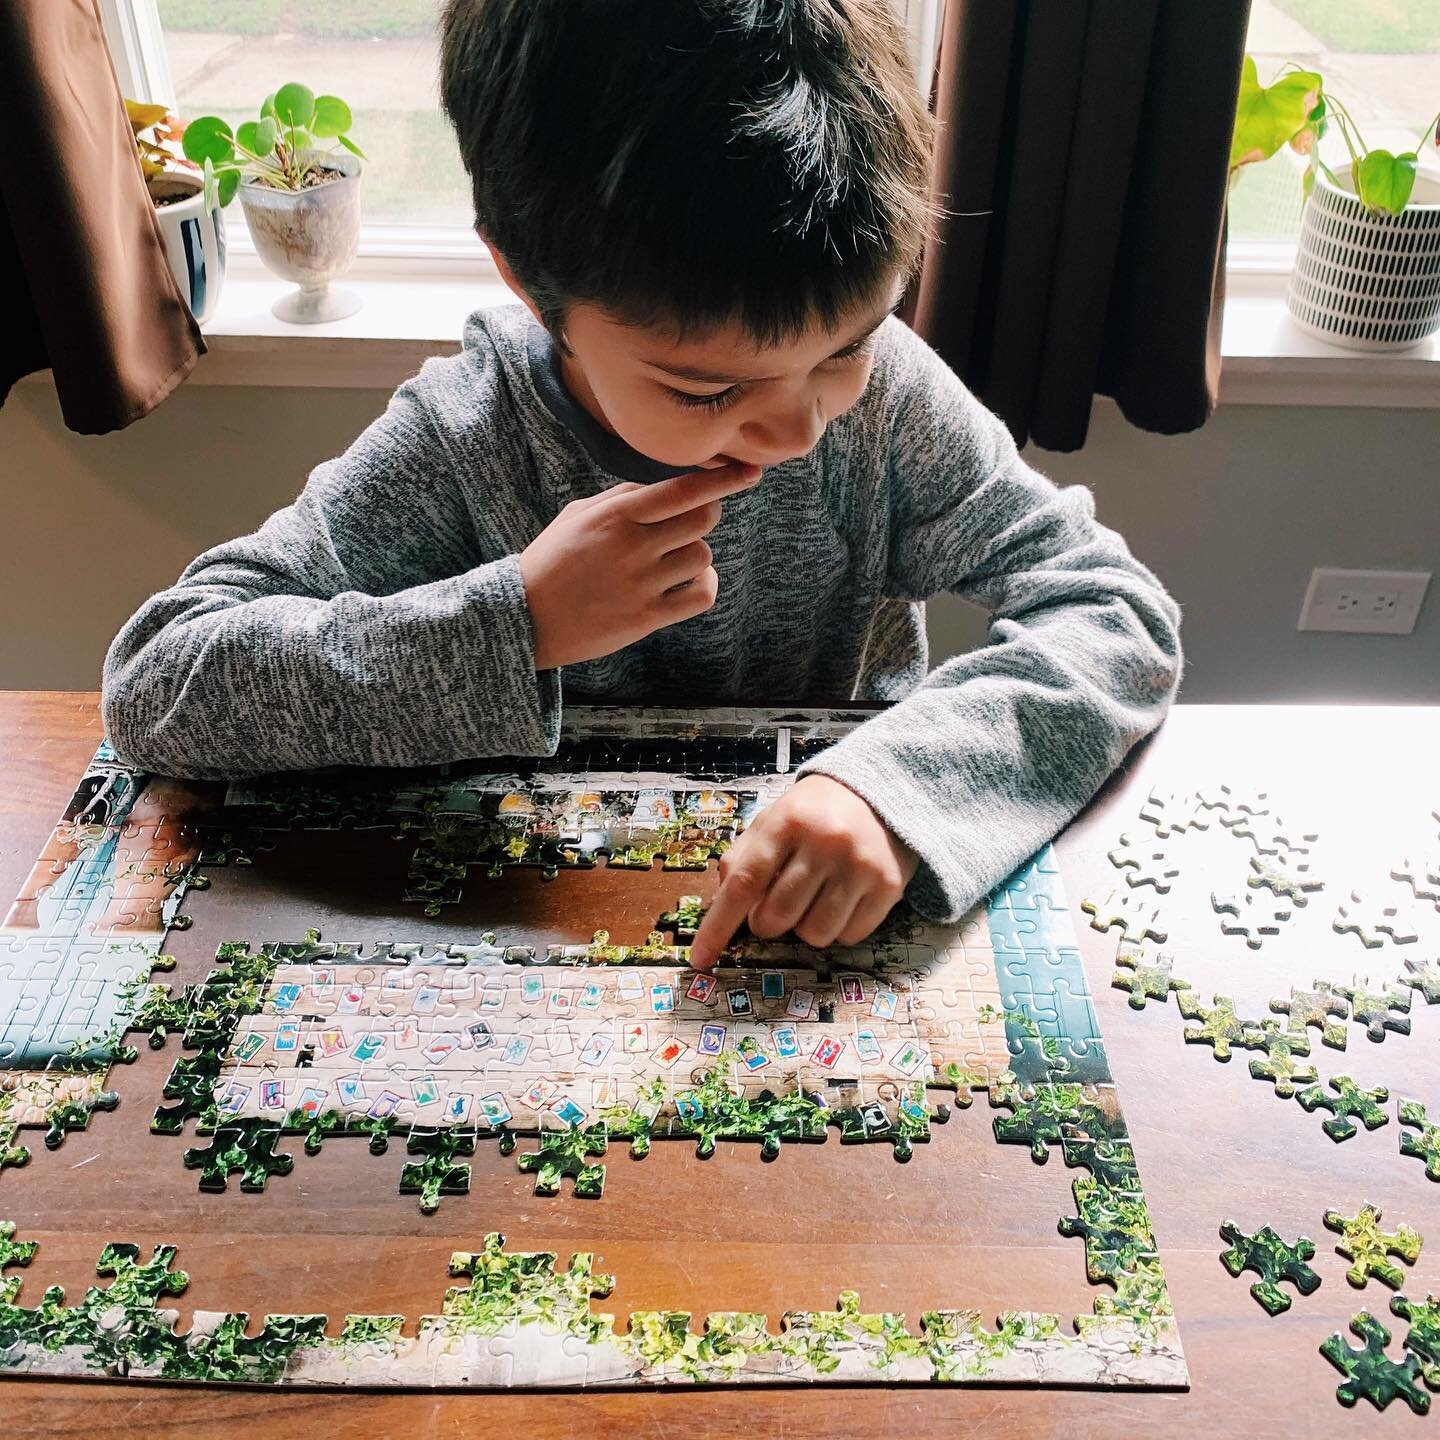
[700, 464]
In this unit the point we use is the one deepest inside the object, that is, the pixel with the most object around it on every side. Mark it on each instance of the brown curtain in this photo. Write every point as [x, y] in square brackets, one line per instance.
[1083, 156]
[84, 284]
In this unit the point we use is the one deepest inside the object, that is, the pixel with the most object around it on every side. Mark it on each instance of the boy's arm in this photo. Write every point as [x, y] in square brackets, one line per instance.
[363, 624]
[1000, 747]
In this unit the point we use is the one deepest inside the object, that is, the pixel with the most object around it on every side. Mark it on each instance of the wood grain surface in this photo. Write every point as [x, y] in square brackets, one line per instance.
[967, 1222]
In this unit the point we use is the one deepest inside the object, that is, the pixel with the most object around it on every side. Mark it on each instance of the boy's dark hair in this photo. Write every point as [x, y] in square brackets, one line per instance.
[691, 162]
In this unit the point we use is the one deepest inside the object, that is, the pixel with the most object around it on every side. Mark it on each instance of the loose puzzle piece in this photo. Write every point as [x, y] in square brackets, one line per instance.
[1220, 1026]
[1368, 1246]
[1423, 1341]
[1424, 1145]
[1144, 863]
[1423, 878]
[1374, 1008]
[437, 1173]
[1279, 1065]
[1173, 814]
[13, 1252]
[568, 1152]
[243, 1147]
[1294, 886]
[1273, 1259]
[1424, 976]
[1348, 1101]
[1315, 1007]
[1249, 916]
[1371, 924]
[1145, 979]
[1369, 1372]
[1128, 913]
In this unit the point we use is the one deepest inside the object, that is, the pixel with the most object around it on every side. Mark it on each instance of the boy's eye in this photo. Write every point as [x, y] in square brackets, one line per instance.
[718, 401]
[722, 398]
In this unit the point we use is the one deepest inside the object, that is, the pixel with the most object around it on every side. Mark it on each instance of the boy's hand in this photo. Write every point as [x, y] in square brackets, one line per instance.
[609, 569]
[819, 861]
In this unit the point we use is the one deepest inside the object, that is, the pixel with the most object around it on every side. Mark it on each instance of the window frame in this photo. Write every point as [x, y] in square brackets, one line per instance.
[142, 67]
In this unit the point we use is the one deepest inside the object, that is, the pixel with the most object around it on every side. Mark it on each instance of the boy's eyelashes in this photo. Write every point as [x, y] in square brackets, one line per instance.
[721, 399]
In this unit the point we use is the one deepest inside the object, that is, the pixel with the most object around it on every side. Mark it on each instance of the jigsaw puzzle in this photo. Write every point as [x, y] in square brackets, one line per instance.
[1369, 1247]
[522, 1321]
[1273, 1260]
[1369, 1372]
[557, 1051]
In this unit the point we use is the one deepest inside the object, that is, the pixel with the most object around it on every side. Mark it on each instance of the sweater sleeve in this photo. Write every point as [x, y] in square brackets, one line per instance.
[999, 748]
[364, 624]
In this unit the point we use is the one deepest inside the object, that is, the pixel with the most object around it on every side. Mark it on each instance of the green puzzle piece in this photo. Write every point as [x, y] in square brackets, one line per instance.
[1424, 976]
[13, 1251]
[1047, 1115]
[1425, 1145]
[243, 1146]
[1374, 1009]
[1364, 1242]
[1146, 980]
[1273, 1260]
[565, 1152]
[438, 1173]
[1424, 1337]
[1370, 1372]
[1220, 1027]
[1279, 1065]
[1349, 1100]
[1317, 1007]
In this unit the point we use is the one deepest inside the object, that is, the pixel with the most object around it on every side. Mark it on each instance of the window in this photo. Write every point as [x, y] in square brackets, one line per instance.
[221, 57]
[1381, 57]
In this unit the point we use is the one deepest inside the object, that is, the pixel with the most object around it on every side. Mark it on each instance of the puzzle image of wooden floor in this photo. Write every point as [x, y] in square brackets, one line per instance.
[569, 1048]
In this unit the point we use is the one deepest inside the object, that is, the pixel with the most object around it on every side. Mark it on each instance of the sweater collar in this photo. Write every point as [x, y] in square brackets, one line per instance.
[608, 451]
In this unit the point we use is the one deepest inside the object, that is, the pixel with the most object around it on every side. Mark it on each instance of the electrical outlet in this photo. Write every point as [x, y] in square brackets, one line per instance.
[1364, 602]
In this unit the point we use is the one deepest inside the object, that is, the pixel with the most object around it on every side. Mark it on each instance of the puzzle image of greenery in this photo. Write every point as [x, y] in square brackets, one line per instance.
[560, 1054]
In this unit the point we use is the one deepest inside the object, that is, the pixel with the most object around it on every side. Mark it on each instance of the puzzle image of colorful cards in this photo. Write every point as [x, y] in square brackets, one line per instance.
[558, 1051]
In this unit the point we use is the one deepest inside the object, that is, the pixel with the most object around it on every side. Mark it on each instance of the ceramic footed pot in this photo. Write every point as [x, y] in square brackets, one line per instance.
[194, 240]
[309, 236]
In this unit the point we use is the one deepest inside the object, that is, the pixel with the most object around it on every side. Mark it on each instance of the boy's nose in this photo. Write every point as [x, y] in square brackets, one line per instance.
[783, 437]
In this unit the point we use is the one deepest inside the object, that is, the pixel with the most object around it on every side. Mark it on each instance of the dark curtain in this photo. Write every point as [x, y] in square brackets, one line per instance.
[1083, 159]
[84, 284]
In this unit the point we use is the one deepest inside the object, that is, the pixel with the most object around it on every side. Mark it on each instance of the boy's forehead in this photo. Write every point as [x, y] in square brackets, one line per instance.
[728, 353]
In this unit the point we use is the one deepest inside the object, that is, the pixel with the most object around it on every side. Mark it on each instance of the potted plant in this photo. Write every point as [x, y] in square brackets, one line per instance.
[1367, 269]
[301, 200]
[194, 231]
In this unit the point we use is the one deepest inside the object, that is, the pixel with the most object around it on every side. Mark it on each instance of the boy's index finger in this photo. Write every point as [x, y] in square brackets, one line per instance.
[681, 493]
[733, 901]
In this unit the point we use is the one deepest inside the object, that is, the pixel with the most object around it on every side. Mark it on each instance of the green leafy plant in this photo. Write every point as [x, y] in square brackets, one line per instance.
[279, 149]
[1296, 110]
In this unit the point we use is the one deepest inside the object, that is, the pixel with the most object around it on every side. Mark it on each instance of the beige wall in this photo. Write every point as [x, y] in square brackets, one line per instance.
[1232, 517]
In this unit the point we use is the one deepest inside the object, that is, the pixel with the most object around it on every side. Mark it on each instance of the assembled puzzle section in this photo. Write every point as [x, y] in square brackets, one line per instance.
[79, 940]
[520, 1320]
[577, 1045]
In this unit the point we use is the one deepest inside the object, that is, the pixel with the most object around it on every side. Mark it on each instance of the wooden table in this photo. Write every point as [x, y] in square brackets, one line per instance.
[1212, 1143]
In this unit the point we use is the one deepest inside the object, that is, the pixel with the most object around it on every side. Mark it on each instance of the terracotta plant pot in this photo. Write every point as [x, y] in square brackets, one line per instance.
[309, 236]
[194, 240]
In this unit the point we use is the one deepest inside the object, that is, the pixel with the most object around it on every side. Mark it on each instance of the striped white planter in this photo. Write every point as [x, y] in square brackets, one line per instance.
[1366, 281]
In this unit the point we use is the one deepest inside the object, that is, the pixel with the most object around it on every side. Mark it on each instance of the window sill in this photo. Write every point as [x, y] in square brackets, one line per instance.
[1268, 360]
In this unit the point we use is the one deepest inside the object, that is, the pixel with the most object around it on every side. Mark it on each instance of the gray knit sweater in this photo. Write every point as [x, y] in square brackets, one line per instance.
[381, 618]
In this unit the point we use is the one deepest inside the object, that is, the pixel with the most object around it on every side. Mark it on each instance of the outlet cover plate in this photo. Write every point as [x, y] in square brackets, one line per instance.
[1364, 602]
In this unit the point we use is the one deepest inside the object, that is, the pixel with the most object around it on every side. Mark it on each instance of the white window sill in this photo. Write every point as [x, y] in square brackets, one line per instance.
[409, 316]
